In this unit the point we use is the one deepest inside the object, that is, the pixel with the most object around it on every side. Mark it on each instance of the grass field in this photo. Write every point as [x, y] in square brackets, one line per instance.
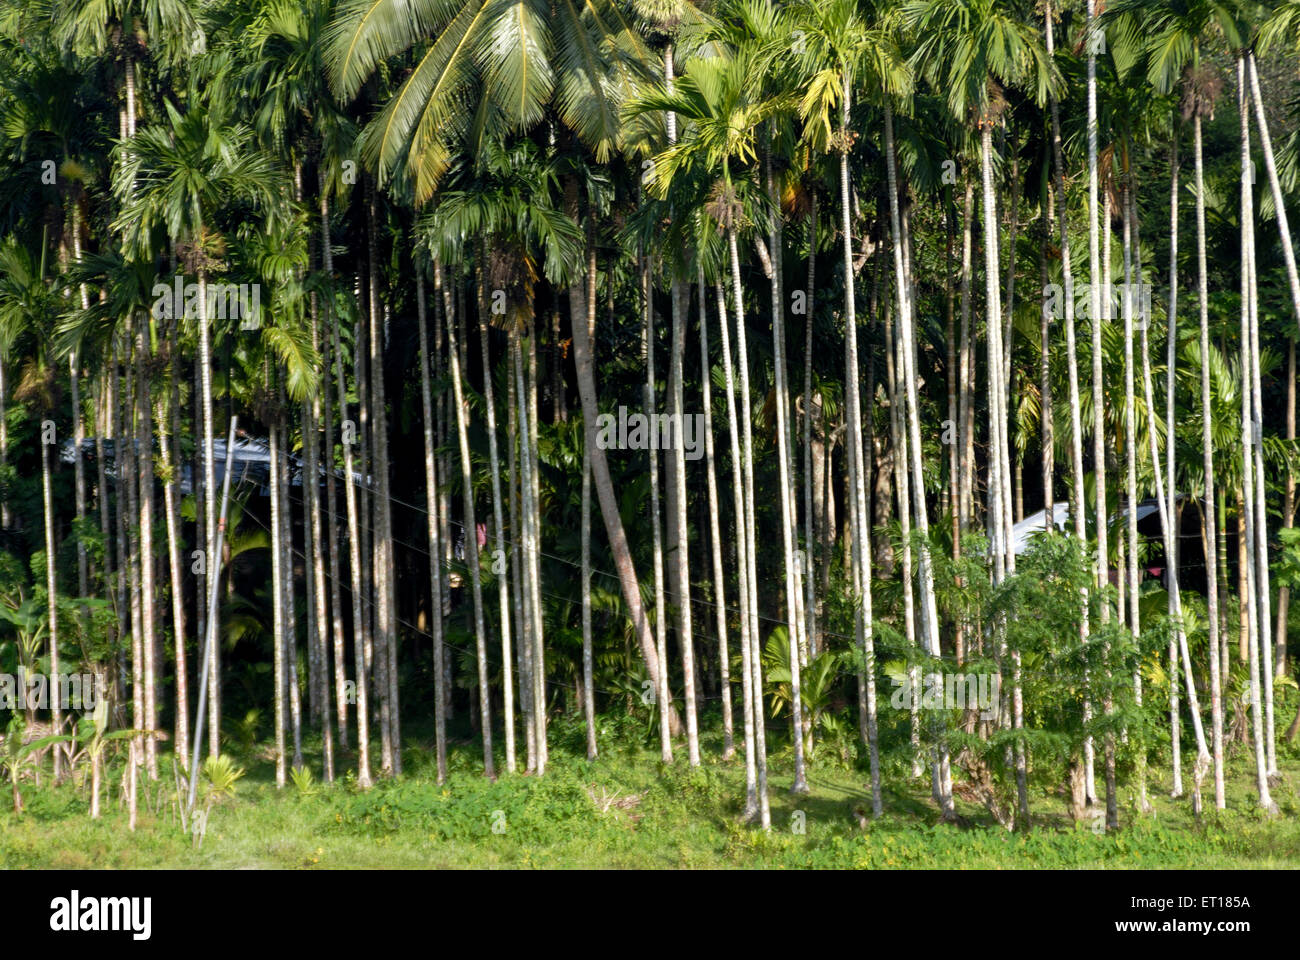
[626, 811]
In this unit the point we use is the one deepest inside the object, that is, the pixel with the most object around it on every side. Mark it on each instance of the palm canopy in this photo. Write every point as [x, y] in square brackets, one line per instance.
[1282, 27]
[508, 198]
[94, 27]
[127, 284]
[286, 80]
[483, 65]
[27, 302]
[722, 101]
[1174, 31]
[962, 45]
[176, 175]
[28, 306]
[837, 48]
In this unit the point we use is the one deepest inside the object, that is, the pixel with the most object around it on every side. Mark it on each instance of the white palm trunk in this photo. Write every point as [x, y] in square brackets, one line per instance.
[900, 463]
[789, 522]
[680, 295]
[536, 676]
[1293, 284]
[742, 565]
[1098, 427]
[471, 546]
[1256, 601]
[1130, 458]
[354, 570]
[715, 537]
[365, 513]
[321, 625]
[681, 540]
[751, 549]
[431, 517]
[277, 607]
[168, 416]
[287, 578]
[144, 462]
[857, 478]
[1168, 497]
[663, 695]
[331, 493]
[499, 541]
[52, 595]
[209, 510]
[524, 648]
[533, 517]
[127, 465]
[79, 430]
[383, 573]
[1002, 547]
[104, 422]
[1207, 449]
[1261, 510]
[811, 610]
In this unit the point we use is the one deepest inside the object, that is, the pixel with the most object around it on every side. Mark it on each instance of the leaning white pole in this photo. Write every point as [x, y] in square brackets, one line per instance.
[214, 574]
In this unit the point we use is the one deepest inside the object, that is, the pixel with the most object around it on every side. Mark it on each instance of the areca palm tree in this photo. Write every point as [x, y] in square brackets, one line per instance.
[974, 48]
[840, 49]
[721, 102]
[506, 201]
[27, 308]
[485, 64]
[102, 328]
[297, 120]
[175, 177]
[1177, 31]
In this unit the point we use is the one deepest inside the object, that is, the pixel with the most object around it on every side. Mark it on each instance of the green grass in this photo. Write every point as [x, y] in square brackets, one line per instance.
[680, 818]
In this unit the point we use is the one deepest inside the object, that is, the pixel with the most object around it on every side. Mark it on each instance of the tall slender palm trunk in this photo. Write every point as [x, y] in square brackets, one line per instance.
[434, 536]
[1293, 284]
[168, 426]
[861, 545]
[941, 772]
[144, 463]
[209, 511]
[1207, 451]
[498, 537]
[52, 595]
[524, 648]
[354, 564]
[470, 528]
[789, 518]
[277, 609]
[383, 573]
[534, 556]
[680, 293]
[663, 693]
[622, 554]
[1132, 252]
[1255, 600]
[742, 564]
[1098, 397]
[812, 601]
[715, 537]
[751, 549]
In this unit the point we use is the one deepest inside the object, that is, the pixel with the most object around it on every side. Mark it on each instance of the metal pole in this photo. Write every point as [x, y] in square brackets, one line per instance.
[214, 574]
